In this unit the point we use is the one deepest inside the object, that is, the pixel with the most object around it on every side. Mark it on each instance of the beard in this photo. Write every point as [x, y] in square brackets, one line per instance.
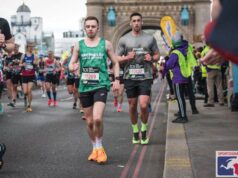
[91, 35]
[137, 29]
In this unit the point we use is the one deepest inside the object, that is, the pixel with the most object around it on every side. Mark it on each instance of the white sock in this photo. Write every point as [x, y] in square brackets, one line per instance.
[94, 144]
[98, 142]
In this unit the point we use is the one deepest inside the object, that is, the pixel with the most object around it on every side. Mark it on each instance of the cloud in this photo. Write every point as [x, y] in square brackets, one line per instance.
[60, 15]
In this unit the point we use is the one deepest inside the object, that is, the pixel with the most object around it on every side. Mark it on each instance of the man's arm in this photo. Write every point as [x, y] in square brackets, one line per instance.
[74, 58]
[212, 57]
[121, 52]
[116, 68]
[113, 58]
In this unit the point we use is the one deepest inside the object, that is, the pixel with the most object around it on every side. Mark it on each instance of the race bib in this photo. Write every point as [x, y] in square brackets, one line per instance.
[136, 71]
[90, 76]
[29, 67]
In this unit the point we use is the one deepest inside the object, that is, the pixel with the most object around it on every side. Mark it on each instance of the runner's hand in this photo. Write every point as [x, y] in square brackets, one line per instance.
[148, 57]
[115, 85]
[131, 55]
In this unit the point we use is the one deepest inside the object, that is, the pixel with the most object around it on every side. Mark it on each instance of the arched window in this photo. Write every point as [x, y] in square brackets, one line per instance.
[111, 17]
[184, 15]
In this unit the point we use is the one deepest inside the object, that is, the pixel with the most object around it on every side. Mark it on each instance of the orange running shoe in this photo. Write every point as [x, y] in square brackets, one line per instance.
[93, 156]
[49, 102]
[102, 156]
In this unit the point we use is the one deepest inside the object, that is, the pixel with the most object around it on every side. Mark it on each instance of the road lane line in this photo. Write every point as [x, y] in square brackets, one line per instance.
[133, 153]
[143, 151]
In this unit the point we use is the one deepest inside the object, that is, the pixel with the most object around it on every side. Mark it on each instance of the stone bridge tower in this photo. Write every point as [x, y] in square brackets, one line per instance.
[152, 12]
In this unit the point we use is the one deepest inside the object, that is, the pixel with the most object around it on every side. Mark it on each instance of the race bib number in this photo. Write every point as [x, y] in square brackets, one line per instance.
[29, 66]
[137, 71]
[90, 76]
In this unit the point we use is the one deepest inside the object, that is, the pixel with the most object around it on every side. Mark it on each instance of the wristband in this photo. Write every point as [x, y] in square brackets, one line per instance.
[117, 78]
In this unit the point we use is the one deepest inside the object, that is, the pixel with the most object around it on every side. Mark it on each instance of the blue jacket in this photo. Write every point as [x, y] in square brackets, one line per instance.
[173, 64]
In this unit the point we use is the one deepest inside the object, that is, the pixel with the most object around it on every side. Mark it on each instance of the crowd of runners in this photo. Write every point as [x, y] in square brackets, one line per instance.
[93, 68]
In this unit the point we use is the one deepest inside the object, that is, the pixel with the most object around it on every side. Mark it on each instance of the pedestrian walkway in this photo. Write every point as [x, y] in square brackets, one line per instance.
[191, 147]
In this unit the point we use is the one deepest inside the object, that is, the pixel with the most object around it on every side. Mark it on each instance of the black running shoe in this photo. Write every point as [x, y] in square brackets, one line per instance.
[11, 104]
[74, 106]
[180, 120]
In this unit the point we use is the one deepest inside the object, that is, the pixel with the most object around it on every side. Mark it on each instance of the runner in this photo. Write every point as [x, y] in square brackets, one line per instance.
[121, 90]
[51, 69]
[7, 44]
[41, 75]
[1, 80]
[16, 72]
[92, 53]
[138, 51]
[8, 61]
[72, 79]
[28, 64]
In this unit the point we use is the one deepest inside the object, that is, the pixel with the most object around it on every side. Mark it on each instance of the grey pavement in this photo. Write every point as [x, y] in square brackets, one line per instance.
[53, 142]
[191, 147]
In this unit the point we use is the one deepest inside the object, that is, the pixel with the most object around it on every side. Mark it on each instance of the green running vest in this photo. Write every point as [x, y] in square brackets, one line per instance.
[93, 67]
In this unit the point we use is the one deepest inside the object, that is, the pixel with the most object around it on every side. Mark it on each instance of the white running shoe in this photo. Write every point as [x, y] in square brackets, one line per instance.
[43, 95]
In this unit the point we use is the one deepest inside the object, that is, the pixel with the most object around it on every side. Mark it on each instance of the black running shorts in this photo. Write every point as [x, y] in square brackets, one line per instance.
[87, 99]
[135, 88]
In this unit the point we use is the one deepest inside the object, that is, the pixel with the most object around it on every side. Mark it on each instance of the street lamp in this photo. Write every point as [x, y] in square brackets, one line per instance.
[111, 16]
[184, 15]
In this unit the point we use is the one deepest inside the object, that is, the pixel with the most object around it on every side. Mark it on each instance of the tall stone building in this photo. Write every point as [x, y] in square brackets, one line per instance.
[152, 11]
[26, 28]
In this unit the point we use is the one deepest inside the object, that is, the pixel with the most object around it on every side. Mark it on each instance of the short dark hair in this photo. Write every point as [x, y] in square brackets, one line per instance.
[135, 14]
[91, 18]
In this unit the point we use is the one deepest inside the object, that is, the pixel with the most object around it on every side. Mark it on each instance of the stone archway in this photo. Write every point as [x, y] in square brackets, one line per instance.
[152, 11]
[148, 23]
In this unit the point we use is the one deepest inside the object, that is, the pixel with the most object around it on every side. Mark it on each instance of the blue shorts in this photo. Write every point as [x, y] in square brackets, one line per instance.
[41, 78]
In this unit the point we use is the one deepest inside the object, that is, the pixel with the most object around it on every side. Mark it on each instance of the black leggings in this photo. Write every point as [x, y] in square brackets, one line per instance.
[180, 96]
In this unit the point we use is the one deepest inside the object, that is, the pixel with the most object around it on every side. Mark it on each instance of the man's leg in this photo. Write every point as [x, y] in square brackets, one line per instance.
[180, 96]
[191, 96]
[144, 93]
[218, 83]
[144, 102]
[99, 98]
[210, 89]
[120, 98]
[134, 118]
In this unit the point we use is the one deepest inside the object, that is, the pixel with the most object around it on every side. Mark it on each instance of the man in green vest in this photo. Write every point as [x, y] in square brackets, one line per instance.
[214, 77]
[92, 54]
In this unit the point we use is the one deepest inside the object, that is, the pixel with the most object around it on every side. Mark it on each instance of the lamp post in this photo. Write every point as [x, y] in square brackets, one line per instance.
[184, 15]
[111, 16]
